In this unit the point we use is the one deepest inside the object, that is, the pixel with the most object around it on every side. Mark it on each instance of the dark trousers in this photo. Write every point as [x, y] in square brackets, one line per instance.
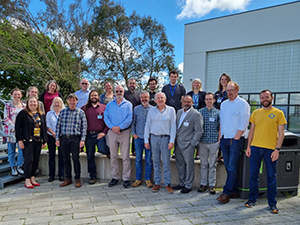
[31, 154]
[90, 143]
[52, 154]
[70, 145]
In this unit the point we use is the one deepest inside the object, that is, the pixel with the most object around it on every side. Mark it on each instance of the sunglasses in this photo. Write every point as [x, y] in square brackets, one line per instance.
[119, 91]
[84, 83]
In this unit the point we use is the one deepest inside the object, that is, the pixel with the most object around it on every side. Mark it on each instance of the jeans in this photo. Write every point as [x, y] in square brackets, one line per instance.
[255, 162]
[90, 143]
[12, 155]
[159, 146]
[231, 150]
[52, 155]
[139, 148]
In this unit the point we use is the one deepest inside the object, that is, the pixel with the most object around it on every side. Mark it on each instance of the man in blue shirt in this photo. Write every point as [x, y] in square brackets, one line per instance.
[140, 113]
[83, 93]
[118, 117]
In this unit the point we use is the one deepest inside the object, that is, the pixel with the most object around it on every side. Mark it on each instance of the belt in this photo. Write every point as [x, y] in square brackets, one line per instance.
[161, 136]
[94, 132]
[70, 136]
[124, 129]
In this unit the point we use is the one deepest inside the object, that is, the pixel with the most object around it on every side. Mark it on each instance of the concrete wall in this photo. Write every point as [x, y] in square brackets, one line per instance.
[103, 169]
[258, 27]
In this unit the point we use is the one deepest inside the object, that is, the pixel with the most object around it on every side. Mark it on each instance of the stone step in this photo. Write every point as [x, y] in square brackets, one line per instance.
[8, 178]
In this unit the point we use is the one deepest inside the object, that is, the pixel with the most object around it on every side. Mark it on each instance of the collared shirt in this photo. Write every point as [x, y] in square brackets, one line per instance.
[183, 115]
[161, 123]
[95, 118]
[234, 116]
[71, 122]
[118, 115]
[134, 98]
[139, 120]
[83, 97]
[211, 125]
[51, 121]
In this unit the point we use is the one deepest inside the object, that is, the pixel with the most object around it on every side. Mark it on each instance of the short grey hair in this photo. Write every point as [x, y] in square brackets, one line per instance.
[160, 93]
[145, 92]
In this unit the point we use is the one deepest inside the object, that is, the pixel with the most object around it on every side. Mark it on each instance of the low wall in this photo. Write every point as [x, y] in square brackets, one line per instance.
[103, 169]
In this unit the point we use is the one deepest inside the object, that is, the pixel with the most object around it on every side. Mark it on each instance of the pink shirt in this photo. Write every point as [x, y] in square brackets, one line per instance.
[48, 98]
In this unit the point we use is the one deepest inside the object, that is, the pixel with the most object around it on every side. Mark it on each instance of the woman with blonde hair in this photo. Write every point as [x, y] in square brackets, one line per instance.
[197, 94]
[32, 136]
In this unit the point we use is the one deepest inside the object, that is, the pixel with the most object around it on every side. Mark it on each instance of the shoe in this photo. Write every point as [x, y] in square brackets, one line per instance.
[14, 171]
[149, 183]
[108, 155]
[234, 195]
[137, 183]
[92, 181]
[126, 183]
[29, 187]
[61, 178]
[212, 190]
[185, 191]
[173, 156]
[77, 183]
[273, 209]
[133, 154]
[51, 179]
[113, 182]
[156, 188]
[20, 170]
[197, 157]
[223, 198]
[250, 204]
[178, 187]
[36, 184]
[169, 189]
[66, 182]
[202, 188]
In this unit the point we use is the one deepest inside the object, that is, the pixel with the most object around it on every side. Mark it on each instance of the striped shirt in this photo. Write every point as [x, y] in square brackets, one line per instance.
[211, 125]
[71, 122]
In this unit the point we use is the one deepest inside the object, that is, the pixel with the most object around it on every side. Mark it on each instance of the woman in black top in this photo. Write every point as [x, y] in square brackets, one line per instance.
[31, 134]
[221, 94]
[197, 94]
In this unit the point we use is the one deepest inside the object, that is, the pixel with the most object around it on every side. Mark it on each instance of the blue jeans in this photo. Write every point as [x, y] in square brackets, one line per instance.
[255, 162]
[12, 155]
[159, 147]
[90, 143]
[139, 148]
[231, 150]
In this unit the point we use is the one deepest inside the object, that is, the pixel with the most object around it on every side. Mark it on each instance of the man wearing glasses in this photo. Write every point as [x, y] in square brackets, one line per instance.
[152, 84]
[83, 93]
[234, 118]
[118, 117]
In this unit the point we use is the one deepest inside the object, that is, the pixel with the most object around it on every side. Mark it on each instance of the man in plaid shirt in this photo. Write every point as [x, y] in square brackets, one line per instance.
[70, 135]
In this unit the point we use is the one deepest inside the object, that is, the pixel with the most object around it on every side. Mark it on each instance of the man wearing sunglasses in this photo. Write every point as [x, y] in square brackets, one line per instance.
[118, 117]
[83, 93]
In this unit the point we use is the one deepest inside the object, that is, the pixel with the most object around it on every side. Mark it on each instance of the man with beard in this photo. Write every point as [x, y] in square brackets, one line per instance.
[264, 141]
[140, 113]
[134, 97]
[189, 125]
[152, 84]
[234, 118]
[96, 131]
[118, 117]
[160, 129]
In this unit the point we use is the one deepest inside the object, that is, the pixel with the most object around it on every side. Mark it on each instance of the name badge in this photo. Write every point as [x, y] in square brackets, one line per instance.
[186, 124]
[99, 117]
[219, 100]
[211, 119]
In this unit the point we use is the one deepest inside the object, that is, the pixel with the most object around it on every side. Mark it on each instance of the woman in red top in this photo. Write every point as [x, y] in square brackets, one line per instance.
[48, 96]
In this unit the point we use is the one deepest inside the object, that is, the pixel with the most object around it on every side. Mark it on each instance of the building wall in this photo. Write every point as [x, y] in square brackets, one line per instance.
[228, 37]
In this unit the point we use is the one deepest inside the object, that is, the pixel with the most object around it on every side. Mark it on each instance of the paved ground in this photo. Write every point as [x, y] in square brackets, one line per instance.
[91, 204]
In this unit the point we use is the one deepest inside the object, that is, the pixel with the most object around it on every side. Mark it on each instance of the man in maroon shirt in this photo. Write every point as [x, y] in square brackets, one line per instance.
[96, 131]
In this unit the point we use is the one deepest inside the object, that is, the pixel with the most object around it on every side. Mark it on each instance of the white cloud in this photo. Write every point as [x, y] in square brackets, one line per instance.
[199, 8]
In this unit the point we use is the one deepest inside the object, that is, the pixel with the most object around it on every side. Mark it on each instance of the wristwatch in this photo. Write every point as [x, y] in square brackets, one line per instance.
[277, 149]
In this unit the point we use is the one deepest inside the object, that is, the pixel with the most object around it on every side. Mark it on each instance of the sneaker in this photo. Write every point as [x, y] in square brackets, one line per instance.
[137, 183]
[92, 181]
[202, 188]
[169, 189]
[273, 209]
[14, 171]
[250, 204]
[156, 188]
[149, 183]
[212, 190]
[20, 170]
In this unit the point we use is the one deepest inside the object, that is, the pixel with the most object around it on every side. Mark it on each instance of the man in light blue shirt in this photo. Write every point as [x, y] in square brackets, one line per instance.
[161, 126]
[83, 93]
[118, 117]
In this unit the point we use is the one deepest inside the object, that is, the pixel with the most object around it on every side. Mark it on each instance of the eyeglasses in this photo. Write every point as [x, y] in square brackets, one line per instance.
[84, 83]
[230, 90]
[117, 91]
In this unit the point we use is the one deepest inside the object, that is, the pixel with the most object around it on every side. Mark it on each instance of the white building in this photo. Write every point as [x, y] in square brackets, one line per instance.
[259, 49]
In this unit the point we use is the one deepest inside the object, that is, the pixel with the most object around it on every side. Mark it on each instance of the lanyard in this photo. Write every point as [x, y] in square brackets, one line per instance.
[172, 91]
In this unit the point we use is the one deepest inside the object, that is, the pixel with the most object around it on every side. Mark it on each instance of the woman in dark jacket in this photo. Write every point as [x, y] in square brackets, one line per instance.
[31, 134]
[197, 94]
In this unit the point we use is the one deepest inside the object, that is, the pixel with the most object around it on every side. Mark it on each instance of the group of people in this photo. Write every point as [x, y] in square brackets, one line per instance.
[158, 122]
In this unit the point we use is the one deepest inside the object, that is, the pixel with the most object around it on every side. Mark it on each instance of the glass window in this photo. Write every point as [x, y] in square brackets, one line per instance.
[254, 99]
[294, 119]
[281, 99]
[295, 99]
[244, 96]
